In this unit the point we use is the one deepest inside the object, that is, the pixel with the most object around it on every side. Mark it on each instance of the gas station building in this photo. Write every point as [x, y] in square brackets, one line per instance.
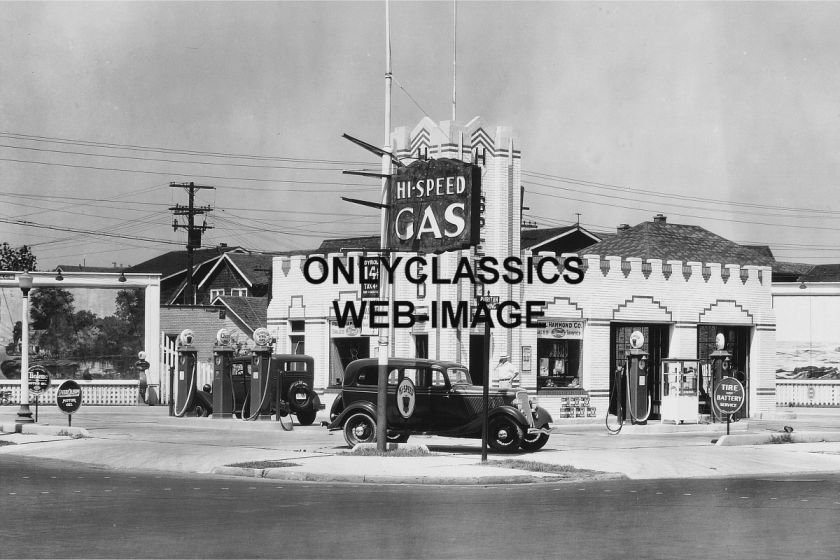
[679, 285]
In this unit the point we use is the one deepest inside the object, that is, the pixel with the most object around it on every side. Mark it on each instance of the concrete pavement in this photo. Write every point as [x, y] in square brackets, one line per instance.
[143, 437]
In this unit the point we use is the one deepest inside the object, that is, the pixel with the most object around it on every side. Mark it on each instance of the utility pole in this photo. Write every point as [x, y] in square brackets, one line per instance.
[193, 231]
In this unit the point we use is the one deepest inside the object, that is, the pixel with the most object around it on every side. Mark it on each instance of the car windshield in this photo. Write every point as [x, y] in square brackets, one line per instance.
[459, 376]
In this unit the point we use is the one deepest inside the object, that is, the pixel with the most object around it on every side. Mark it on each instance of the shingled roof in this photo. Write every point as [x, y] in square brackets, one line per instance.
[174, 262]
[252, 312]
[661, 240]
[822, 273]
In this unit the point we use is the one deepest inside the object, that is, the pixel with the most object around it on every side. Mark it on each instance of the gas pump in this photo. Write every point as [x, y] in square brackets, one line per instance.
[721, 366]
[224, 400]
[260, 392]
[630, 394]
[638, 388]
[186, 381]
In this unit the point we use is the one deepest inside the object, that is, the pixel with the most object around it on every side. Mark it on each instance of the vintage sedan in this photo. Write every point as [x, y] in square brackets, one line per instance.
[435, 398]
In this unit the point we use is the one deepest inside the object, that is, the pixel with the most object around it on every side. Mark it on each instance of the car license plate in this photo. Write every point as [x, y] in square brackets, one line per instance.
[300, 396]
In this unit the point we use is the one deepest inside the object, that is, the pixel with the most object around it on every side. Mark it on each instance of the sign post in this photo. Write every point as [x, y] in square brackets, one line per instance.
[69, 399]
[728, 397]
[491, 302]
[39, 382]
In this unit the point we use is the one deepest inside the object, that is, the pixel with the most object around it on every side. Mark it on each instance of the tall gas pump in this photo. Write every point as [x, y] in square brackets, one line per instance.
[224, 403]
[261, 386]
[630, 391]
[187, 373]
[638, 377]
[721, 366]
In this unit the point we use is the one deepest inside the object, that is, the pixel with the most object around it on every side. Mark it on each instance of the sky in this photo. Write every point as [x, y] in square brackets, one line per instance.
[724, 115]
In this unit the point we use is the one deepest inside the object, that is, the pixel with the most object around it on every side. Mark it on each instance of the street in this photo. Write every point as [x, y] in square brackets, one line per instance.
[53, 509]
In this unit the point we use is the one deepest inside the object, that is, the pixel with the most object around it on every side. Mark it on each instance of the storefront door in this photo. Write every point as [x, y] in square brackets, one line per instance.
[656, 345]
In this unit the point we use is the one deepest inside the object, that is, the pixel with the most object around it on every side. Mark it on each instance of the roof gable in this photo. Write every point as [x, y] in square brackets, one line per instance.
[251, 312]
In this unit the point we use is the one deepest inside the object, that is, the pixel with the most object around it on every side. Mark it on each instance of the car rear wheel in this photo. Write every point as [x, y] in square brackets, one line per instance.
[359, 428]
[200, 410]
[534, 442]
[306, 417]
[505, 435]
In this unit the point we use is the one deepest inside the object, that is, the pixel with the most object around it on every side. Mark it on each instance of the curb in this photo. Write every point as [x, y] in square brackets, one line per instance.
[305, 476]
[782, 437]
[17, 428]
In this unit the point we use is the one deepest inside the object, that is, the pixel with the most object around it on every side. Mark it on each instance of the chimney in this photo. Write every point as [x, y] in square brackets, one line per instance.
[659, 219]
[622, 227]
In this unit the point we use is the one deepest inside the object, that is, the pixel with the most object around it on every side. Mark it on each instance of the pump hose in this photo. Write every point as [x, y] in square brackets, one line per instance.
[614, 396]
[190, 394]
[263, 402]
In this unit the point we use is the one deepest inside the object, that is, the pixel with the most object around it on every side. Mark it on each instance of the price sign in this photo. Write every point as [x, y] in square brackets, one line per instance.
[39, 380]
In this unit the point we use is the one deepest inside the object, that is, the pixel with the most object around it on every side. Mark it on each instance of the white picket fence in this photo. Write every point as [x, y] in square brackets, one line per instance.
[103, 393]
[807, 392]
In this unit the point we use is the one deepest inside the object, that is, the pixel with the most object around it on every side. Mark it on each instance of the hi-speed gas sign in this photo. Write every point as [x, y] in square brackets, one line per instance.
[435, 206]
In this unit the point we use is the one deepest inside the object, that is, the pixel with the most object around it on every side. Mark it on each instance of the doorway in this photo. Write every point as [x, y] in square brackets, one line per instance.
[656, 346]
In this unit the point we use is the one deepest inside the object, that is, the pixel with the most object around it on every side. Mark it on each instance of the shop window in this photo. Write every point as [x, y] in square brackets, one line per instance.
[558, 364]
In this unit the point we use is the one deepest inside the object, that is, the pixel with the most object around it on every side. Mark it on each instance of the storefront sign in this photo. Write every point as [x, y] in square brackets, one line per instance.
[569, 330]
[350, 330]
[435, 206]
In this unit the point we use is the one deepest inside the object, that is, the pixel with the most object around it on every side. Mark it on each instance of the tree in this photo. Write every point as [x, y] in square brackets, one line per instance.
[52, 313]
[20, 258]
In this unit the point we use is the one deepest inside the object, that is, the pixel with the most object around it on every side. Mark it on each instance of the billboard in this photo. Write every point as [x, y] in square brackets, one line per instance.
[434, 206]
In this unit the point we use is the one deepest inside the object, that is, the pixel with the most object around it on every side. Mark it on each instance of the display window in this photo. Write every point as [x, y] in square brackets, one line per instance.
[558, 364]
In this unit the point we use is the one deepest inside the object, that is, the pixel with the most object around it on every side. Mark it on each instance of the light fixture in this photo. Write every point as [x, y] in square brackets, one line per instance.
[25, 283]
[802, 286]
[122, 277]
[58, 276]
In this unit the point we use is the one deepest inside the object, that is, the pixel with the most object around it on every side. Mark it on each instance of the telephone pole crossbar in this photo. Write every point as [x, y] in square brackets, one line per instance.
[193, 231]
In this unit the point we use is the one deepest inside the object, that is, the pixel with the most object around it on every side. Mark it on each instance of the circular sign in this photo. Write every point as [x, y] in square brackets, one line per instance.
[406, 397]
[223, 337]
[142, 365]
[262, 337]
[637, 339]
[558, 332]
[186, 337]
[720, 341]
[39, 379]
[728, 395]
[68, 397]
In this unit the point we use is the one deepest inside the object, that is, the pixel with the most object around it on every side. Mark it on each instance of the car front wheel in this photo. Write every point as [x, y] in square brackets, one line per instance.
[534, 442]
[505, 435]
[359, 428]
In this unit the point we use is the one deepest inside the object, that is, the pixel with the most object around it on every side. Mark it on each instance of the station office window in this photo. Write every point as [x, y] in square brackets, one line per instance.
[558, 363]
[297, 340]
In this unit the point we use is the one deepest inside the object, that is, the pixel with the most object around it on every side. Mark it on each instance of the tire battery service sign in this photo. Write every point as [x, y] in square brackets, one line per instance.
[572, 330]
[435, 206]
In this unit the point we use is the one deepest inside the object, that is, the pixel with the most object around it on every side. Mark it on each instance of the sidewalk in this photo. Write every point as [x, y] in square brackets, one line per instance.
[145, 437]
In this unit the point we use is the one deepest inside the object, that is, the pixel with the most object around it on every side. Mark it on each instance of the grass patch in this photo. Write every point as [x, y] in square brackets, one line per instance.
[2, 443]
[264, 464]
[398, 452]
[73, 435]
[535, 466]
